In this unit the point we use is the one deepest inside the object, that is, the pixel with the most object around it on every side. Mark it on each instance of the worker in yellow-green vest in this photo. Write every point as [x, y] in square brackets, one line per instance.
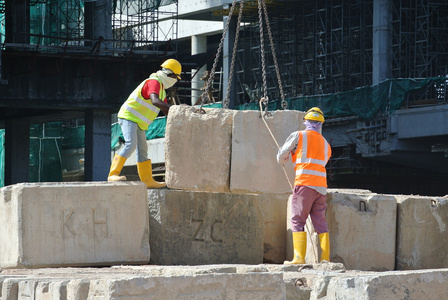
[310, 152]
[134, 117]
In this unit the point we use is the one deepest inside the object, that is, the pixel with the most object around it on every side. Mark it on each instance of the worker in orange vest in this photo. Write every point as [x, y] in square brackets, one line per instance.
[135, 115]
[310, 152]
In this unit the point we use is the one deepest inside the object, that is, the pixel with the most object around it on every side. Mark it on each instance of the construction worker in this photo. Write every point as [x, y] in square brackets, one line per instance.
[310, 152]
[135, 115]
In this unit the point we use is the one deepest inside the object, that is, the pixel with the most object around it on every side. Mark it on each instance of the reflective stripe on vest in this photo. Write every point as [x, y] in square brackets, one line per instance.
[311, 156]
[140, 110]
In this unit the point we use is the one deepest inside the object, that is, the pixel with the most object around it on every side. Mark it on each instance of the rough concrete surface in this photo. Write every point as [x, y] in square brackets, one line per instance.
[274, 208]
[319, 281]
[190, 227]
[254, 166]
[198, 148]
[73, 224]
[362, 230]
[422, 232]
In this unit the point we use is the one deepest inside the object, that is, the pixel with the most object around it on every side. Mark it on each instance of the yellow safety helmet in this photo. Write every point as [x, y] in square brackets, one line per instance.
[315, 114]
[173, 65]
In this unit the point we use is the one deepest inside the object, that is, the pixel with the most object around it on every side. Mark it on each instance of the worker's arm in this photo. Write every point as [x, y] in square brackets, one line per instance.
[288, 147]
[164, 107]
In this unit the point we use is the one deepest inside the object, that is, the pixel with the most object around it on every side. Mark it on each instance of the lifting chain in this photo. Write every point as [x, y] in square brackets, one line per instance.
[262, 10]
[274, 56]
[232, 64]
[263, 62]
[215, 62]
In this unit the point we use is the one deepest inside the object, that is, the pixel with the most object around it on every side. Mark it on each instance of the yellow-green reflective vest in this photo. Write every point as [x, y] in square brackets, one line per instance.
[140, 110]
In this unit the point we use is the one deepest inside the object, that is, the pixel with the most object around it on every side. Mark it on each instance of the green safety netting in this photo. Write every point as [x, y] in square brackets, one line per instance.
[45, 152]
[48, 139]
[364, 102]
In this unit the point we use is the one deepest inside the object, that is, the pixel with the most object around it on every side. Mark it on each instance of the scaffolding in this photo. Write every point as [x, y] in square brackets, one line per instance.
[420, 40]
[327, 47]
[136, 24]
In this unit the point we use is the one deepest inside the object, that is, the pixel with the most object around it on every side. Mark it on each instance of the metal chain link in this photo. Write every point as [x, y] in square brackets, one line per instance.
[218, 53]
[263, 62]
[232, 64]
[274, 56]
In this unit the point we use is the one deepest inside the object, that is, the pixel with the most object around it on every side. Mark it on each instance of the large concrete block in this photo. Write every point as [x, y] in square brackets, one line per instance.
[428, 284]
[422, 232]
[198, 148]
[362, 230]
[195, 228]
[254, 166]
[73, 224]
[274, 208]
[206, 286]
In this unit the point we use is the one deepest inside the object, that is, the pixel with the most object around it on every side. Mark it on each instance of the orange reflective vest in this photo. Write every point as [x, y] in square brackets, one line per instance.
[140, 110]
[311, 156]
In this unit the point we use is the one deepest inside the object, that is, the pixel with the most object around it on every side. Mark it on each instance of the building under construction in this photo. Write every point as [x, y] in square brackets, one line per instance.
[377, 68]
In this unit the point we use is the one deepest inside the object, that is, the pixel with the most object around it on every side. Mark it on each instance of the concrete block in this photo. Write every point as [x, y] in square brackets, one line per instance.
[422, 232]
[274, 208]
[78, 289]
[398, 285]
[156, 152]
[254, 167]
[362, 230]
[48, 290]
[198, 149]
[195, 228]
[10, 288]
[73, 224]
[206, 286]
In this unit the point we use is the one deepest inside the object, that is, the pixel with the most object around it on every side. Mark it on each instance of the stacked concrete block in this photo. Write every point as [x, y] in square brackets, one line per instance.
[428, 284]
[73, 224]
[362, 230]
[422, 232]
[189, 227]
[211, 286]
[254, 167]
[198, 149]
[274, 208]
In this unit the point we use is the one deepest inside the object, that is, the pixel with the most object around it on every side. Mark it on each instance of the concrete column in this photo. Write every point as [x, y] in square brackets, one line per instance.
[97, 140]
[382, 40]
[98, 20]
[17, 21]
[198, 46]
[227, 59]
[17, 151]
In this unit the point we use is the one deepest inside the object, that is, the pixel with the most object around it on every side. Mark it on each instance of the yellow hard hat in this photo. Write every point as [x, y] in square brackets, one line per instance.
[173, 65]
[315, 114]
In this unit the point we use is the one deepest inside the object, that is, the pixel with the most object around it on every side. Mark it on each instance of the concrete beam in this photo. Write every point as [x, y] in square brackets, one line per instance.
[17, 151]
[97, 145]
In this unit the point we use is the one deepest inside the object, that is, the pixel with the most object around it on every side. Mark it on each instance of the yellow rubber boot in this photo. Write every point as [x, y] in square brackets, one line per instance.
[145, 172]
[324, 240]
[115, 169]
[299, 242]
